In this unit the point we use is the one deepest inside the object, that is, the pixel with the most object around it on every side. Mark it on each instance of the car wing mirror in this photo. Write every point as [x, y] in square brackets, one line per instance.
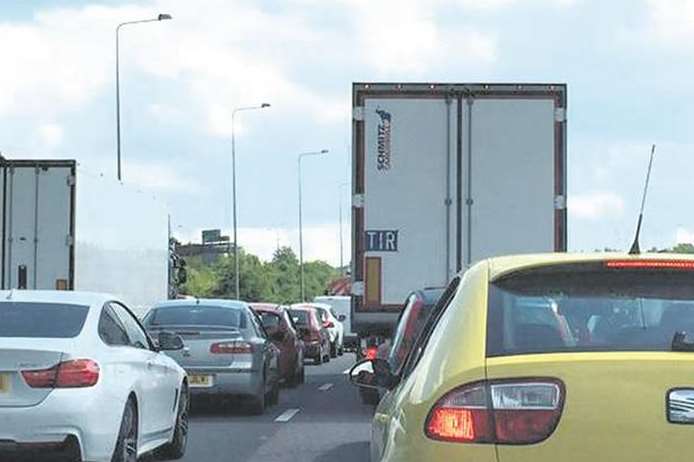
[373, 373]
[168, 341]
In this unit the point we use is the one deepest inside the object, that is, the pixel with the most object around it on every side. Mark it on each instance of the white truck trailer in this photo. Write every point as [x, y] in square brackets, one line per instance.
[66, 229]
[444, 175]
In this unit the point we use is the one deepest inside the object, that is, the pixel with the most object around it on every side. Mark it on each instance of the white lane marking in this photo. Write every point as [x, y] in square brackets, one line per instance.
[346, 371]
[325, 387]
[287, 415]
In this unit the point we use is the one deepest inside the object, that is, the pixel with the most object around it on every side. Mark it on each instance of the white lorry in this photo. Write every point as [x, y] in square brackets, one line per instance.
[444, 175]
[65, 229]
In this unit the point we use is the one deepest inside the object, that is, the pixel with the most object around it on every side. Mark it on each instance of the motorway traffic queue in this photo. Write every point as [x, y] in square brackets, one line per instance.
[65, 354]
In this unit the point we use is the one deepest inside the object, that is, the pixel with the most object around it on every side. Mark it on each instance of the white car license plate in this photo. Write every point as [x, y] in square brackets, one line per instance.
[4, 383]
[200, 381]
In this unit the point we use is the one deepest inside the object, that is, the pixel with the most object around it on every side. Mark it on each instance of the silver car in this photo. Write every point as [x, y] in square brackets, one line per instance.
[226, 351]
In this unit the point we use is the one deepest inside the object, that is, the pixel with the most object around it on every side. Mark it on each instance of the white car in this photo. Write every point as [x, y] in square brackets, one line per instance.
[342, 305]
[80, 377]
[333, 323]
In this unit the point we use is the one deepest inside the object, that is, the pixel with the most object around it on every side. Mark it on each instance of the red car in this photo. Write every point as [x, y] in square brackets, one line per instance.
[284, 334]
[316, 337]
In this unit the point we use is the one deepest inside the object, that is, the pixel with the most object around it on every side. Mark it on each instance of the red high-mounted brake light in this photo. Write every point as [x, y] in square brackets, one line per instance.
[371, 352]
[498, 412]
[224, 348]
[78, 373]
[650, 264]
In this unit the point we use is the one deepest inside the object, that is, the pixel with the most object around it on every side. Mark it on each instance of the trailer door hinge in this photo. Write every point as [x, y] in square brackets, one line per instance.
[358, 201]
[559, 202]
[358, 288]
[560, 114]
[358, 113]
[69, 241]
[71, 180]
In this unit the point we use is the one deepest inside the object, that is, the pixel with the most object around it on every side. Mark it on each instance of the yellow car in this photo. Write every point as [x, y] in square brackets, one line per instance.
[539, 358]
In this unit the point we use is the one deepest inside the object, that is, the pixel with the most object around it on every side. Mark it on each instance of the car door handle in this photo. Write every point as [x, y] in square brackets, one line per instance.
[150, 364]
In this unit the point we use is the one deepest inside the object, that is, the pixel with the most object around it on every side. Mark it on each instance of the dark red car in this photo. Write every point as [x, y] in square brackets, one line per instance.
[284, 334]
[315, 336]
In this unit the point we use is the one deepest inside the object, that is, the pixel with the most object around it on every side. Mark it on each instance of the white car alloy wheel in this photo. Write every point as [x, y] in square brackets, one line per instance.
[126, 445]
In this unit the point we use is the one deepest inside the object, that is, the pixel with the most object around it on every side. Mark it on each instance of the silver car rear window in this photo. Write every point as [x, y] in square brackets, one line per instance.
[196, 315]
[41, 320]
[582, 308]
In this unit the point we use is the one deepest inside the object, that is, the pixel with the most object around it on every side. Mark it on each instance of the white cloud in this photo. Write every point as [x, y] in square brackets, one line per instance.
[50, 135]
[404, 36]
[672, 21]
[158, 178]
[595, 205]
[60, 60]
[684, 236]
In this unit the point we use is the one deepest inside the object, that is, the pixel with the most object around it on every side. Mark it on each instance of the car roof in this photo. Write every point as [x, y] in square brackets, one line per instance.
[323, 306]
[303, 307]
[57, 296]
[202, 302]
[273, 307]
[500, 266]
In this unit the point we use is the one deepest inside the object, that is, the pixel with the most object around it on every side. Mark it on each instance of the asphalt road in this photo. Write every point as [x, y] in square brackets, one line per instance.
[331, 424]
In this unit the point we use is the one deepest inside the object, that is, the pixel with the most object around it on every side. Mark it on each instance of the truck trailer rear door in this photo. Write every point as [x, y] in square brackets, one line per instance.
[37, 225]
[408, 149]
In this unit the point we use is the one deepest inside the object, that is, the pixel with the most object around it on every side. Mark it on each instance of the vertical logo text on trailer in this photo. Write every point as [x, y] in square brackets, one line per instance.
[383, 160]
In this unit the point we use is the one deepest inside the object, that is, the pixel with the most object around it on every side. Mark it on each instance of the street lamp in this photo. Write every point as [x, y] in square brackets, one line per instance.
[161, 17]
[233, 191]
[301, 231]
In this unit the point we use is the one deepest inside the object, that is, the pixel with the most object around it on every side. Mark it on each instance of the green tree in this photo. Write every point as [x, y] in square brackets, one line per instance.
[683, 248]
[202, 279]
[255, 285]
[317, 275]
[284, 273]
[276, 281]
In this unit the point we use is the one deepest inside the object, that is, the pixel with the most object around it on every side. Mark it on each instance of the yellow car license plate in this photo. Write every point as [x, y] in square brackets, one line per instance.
[4, 383]
[200, 381]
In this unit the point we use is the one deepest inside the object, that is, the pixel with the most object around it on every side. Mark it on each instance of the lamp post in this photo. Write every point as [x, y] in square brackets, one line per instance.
[161, 17]
[301, 231]
[237, 277]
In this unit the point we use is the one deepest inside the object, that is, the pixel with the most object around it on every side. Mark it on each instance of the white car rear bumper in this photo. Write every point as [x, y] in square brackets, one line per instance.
[92, 418]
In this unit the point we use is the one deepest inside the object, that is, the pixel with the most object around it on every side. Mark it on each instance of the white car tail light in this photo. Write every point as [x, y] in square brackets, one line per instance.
[500, 412]
[78, 373]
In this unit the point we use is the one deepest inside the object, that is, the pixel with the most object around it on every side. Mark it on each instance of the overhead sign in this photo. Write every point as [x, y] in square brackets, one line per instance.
[211, 235]
[382, 240]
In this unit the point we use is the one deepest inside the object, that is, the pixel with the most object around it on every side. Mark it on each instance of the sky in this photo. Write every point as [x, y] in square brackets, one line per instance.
[628, 66]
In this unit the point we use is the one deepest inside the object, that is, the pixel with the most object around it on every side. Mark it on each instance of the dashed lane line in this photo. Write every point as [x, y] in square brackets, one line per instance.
[325, 387]
[287, 415]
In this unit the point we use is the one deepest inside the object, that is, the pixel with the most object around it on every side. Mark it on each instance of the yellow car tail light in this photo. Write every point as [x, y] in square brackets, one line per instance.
[498, 412]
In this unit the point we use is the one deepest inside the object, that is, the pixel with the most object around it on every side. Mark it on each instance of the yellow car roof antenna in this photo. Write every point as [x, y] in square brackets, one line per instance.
[635, 248]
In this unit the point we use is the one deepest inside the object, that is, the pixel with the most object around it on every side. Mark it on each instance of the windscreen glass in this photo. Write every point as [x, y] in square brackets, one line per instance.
[197, 315]
[269, 319]
[41, 320]
[589, 308]
[300, 317]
